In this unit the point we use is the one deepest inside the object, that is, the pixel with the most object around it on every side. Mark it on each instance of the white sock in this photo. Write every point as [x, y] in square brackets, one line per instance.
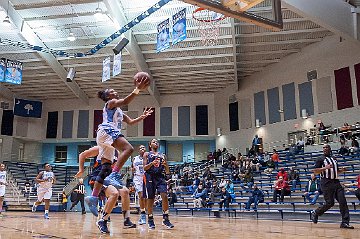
[46, 211]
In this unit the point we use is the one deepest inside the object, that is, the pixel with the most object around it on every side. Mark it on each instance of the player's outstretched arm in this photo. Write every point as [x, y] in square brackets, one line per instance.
[130, 121]
[38, 178]
[92, 152]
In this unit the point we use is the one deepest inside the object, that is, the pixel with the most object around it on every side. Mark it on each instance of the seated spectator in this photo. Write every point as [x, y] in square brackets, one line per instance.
[214, 192]
[357, 190]
[282, 173]
[275, 158]
[248, 180]
[300, 144]
[312, 188]
[354, 149]
[343, 148]
[27, 186]
[230, 189]
[222, 182]
[225, 199]
[256, 196]
[158, 201]
[281, 188]
[255, 164]
[172, 198]
[294, 178]
[200, 196]
[270, 166]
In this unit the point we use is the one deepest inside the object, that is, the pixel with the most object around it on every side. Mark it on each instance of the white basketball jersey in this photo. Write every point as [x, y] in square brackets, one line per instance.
[138, 165]
[112, 117]
[48, 177]
[2, 177]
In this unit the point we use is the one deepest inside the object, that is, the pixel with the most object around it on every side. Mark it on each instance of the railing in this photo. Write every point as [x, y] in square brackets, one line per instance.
[74, 182]
[14, 188]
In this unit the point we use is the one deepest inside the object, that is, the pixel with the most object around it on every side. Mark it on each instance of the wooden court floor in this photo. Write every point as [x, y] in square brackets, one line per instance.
[23, 225]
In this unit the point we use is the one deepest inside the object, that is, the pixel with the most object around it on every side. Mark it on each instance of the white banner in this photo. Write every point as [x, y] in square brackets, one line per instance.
[117, 65]
[106, 69]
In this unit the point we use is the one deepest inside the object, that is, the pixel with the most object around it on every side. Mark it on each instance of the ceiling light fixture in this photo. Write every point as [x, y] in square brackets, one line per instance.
[7, 18]
[71, 37]
[99, 14]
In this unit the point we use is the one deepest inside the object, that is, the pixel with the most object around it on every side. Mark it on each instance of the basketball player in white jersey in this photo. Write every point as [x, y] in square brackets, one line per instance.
[138, 169]
[2, 185]
[45, 179]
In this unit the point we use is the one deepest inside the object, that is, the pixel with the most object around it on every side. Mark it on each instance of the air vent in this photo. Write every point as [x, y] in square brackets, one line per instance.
[312, 75]
[4, 105]
[232, 99]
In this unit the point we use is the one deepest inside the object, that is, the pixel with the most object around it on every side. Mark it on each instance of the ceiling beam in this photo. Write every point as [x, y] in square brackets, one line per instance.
[117, 13]
[285, 32]
[288, 42]
[184, 67]
[185, 58]
[336, 16]
[26, 31]
[234, 53]
[192, 39]
[51, 4]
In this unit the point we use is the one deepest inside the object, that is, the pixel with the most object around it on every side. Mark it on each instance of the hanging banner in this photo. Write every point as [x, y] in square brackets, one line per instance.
[2, 69]
[106, 69]
[117, 65]
[163, 36]
[13, 72]
[27, 108]
[179, 26]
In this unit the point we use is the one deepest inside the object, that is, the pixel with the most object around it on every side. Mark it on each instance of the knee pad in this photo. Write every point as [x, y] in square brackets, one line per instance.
[105, 171]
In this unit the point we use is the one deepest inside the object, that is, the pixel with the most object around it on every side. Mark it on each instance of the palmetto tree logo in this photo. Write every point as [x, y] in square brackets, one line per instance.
[28, 107]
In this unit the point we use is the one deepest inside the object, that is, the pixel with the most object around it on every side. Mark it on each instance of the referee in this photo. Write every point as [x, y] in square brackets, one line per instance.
[80, 190]
[327, 166]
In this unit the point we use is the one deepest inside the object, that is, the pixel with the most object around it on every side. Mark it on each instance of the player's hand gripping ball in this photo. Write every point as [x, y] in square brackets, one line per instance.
[142, 80]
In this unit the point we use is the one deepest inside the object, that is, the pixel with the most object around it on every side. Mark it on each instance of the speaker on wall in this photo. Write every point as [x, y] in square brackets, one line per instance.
[118, 48]
[312, 75]
[71, 75]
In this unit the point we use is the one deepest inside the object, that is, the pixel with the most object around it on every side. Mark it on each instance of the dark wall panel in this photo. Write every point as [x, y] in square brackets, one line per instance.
[202, 120]
[184, 121]
[149, 125]
[7, 123]
[343, 88]
[289, 104]
[306, 98]
[234, 116]
[166, 121]
[98, 118]
[67, 124]
[83, 124]
[323, 94]
[259, 105]
[52, 125]
[273, 105]
[357, 76]
[245, 113]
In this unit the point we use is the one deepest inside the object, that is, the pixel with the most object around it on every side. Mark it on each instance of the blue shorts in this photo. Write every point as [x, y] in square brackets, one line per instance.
[153, 183]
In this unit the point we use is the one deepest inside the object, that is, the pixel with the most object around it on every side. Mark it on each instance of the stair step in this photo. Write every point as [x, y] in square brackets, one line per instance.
[19, 208]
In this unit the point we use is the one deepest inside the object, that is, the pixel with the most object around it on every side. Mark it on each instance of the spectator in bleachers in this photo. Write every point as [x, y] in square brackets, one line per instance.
[222, 182]
[300, 144]
[247, 180]
[294, 178]
[207, 172]
[27, 186]
[215, 191]
[230, 189]
[275, 158]
[357, 190]
[256, 197]
[256, 144]
[282, 173]
[172, 198]
[354, 149]
[240, 160]
[255, 164]
[225, 199]
[343, 148]
[200, 195]
[64, 201]
[270, 166]
[312, 188]
[282, 188]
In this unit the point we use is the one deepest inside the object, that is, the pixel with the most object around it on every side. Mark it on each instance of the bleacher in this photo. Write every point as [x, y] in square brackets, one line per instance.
[293, 205]
[21, 171]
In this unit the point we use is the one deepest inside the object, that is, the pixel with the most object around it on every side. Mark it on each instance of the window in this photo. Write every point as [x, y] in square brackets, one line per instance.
[60, 154]
[82, 148]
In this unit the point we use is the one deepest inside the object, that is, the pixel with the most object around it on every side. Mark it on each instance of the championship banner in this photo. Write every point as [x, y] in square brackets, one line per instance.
[13, 73]
[117, 65]
[106, 69]
[2, 69]
[179, 27]
[27, 108]
[163, 36]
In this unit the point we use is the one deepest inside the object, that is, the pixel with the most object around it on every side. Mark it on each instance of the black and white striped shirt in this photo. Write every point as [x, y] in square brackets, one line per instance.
[81, 188]
[331, 173]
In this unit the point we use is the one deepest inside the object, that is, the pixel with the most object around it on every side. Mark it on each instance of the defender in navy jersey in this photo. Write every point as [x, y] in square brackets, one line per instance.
[327, 166]
[109, 137]
[155, 166]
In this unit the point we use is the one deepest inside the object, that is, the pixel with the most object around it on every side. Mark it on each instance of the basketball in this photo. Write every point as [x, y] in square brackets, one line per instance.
[142, 76]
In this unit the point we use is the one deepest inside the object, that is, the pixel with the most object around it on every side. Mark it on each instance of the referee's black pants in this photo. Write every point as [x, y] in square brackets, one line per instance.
[80, 198]
[332, 190]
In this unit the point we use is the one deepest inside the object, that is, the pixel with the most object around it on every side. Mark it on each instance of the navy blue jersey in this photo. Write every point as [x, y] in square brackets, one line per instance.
[158, 168]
